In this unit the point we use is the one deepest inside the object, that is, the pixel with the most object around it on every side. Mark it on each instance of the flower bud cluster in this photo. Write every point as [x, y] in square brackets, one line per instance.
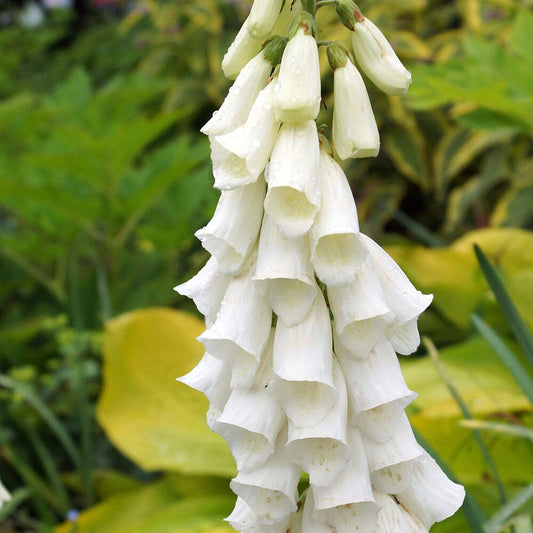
[305, 314]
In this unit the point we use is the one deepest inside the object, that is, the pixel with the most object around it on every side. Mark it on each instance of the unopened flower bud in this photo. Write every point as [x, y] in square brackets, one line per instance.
[263, 16]
[242, 49]
[378, 60]
[349, 13]
[273, 49]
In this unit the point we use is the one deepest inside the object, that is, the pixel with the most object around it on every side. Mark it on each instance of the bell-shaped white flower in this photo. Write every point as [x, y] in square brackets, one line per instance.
[262, 18]
[355, 133]
[241, 96]
[206, 289]
[348, 503]
[307, 520]
[243, 519]
[212, 377]
[252, 419]
[247, 147]
[233, 231]
[284, 273]
[322, 450]
[394, 518]
[241, 330]
[298, 88]
[336, 246]
[303, 361]
[293, 196]
[403, 299]
[271, 489]
[431, 496]
[402, 447]
[378, 60]
[377, 390]
[394, 478]
[243, 48]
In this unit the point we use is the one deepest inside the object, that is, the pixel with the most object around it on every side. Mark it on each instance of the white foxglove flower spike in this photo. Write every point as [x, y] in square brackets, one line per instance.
[206, 289]
[337, 251]
[298, 93]
[378, 60]
[284, 273]
[262, 18]
[233, 231]
[355, 133]
[249, 146]
[293, 197]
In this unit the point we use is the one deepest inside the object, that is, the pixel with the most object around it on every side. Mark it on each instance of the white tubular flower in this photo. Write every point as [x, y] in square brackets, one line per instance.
[293, 197]
[271, 490]
[284, 273]
[402, 447]
[431, 497]
[336, 247]
[241, 51]
[211, 377]
[262, 18]
[298, 88]
[404, 300]
[376, 389]
[378, 60]
[241, 330]
[355, 133]
[395, 478]
[252, 419]
[249, 146]
[308, 521]
[393, 518]
[244, 519]
[206, 289]
[303, 361]
[232, 232]
[348, 503]
[241, 96]
[322, 450]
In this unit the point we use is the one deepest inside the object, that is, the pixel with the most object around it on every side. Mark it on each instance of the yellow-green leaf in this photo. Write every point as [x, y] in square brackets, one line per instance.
[154, 420]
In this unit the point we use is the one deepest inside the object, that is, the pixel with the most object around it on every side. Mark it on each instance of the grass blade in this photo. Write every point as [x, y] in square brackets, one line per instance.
[515, 321]
[505, 429]
[434, 354]
[17, 497]
[507, 357]
[498, 521]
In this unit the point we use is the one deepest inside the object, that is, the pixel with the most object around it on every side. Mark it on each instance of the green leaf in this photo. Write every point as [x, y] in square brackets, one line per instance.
[154, 420]
[497, 522]
[506, 429]
[521, 42]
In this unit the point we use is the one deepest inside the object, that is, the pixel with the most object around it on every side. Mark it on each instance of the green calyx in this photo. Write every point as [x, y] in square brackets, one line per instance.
[306, 22]
[338, 55]
[273, 49]
[349, 13]
[323, 139]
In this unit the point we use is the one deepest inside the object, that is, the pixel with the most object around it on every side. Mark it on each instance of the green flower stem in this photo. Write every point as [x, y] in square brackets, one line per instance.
[434, 354]
[309, 6]
[321, 3]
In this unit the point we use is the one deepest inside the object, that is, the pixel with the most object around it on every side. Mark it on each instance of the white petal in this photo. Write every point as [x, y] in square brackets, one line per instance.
[404, 300]
[284, 273]
[322, 450]
[229, 170]
[235, 108]
[351, 486]
[262, 18]
[360, 337]
[337, 250]
[400, 448]
[309, 523]
[303, 361]
[293, 196]
[251, 144]
[355, 133]
[377, 58]
[233, 231]
[405, 338]
[271, 489]
[241, 51]
[298, 87]
[252, 419]
[244, 519]
[361, 300]
[393, 518]
[241, 330]
[395, 478]
[353, 517]
[431, 497]
[206, 289]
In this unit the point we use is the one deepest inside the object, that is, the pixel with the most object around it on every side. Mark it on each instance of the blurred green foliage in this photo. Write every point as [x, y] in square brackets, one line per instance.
[104, 178]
